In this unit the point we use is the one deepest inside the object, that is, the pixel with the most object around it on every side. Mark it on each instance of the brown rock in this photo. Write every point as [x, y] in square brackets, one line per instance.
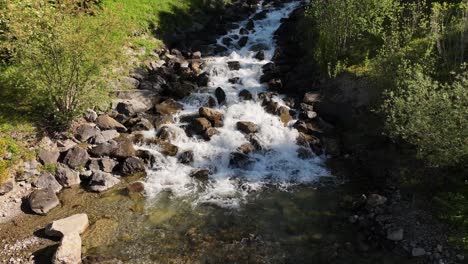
[214, 116]
[246, 148]
[247, 127]
[105, 122]
[200, 125]
[284, 114]
[210, 132]
[136, 187]
[168, 107]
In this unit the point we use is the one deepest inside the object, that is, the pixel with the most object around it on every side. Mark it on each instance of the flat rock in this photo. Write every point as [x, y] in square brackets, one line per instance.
[75, 224]
[132, 107]
[43, 200]
[233, 65]
[105, 136]
[105, 122]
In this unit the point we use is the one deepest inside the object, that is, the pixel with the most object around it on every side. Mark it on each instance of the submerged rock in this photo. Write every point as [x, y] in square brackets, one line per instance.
[240, 160]
[234, 65]
[136, 187]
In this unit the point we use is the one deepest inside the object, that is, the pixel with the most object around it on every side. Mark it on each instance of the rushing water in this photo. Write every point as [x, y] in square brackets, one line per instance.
[279, 165]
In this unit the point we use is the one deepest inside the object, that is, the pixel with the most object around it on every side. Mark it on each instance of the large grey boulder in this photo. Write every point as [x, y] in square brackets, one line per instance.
[107, 164]
[47, 156]
[132, 107]
[102, 181]
[85, 132]
[104, 149]
[105, 136]
[132, 165]
[43, 200]
[76, 157]
[47, 180]
[66, 176]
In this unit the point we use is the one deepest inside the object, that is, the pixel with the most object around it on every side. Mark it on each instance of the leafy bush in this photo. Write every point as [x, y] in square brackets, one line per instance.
[59, 56]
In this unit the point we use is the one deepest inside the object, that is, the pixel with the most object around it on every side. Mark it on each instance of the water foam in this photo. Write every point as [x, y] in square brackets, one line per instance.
[279, 165]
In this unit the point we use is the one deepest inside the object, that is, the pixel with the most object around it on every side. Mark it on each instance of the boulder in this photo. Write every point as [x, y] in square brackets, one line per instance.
[167, 133]
[43, 200]
[250, 25]
[200, 125]
[136, 187]
[200, 174]
[76, 157]
[142, 125]
[212, 115]
[132, 107]
[94, 165]
[85, 132]
[260, 55]
[105, 136]
[234, 65]
[6, 187]
[167, 148]
[418, 252]
[107, 164]
[235, 80]
[284, 114]
[247, 127]
[124, 149]
[147, 157]
[210, 132]
[66, 176]
[311, 98]
[203, 79]
[102, 181]
[243, 31]
[239, 160]
[375, 200]
[69, 250]
[47, 180]
[104, 149]
[243, 41]
[304, 153]
[220, 95]
[105, 122]
[180, 90]
[168, 107]
[246, 148]
[75, 224]
[132, 165]
[245, 95]
[48, 156]
[90, 115]
[275, 84]
[186, 157]
[395, 234]
[65, 145]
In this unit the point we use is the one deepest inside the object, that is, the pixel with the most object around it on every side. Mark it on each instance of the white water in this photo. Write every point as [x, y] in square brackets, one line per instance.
[278, 166]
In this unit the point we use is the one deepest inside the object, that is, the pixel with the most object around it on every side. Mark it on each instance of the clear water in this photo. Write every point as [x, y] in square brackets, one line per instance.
[278, 166]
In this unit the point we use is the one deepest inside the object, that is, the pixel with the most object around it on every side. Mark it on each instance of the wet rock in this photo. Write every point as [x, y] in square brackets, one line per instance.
[90, 115]
[66, 176]
[260, 55]
[240, 160]
[234, 65]
[105, 136]
[210, 132]
[197, 66]
[375, 200]
[284, 114]
[304, 153]
[48, 156]
[147, 157]
[275, 84]
[418, 252]
[76, 157]
[85, 132]
[132, 165]
[200, 174]
[395, 234]
[136, 187]
[246, 148]
[132, 107]
[107, 164]
[47, 180]
[255, 142]
[250, 24]
[102, 181]
[167, 133]
[6, 187]
[243, 41]
[234, 80]
[75, 224]
[245, 95]
[226, 41]
[186, 157]
[203, 79]
[259, 47]
[311, 98]
[260, 15]
[142, 125]
[247, 127]
[244, 31]
[106, 122]
[104, 149]
[180, 90]
[124, 149]
[200, 125]
[196, 55]
[211, 102]
[220, 95]
[168, 107]
[167, 148]
[42, 201]
[215, 117]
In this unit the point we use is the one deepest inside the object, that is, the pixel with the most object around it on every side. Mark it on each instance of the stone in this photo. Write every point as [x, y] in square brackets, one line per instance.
[47, 180]
[395, 234]
[244, 31]
[124, 149]
[212, 115]
[196, 55]
[284, 114]
[331, 146]
[200, 174]
[246, 148]
[102, 181]
[203, 79]
[375, 200]
[75, 224]
[132, 165]
[168, 107]
[130, 82]
[90, 115]
[132, 107]
[260, 55]
[247, 127]
[104, 149]
[243, 41]
[200, 124]
[107, 164]
[311, 98]
[105, 136]
[186, 157]
[304, 153]
[210, 132]
[180, 90]
[48, 156]
[69, 250]
[167, 148]
[147, 157]
[94, 165]
[76, 157]
[234, 65]
[167, 133]
[250, 25]
[275, 84]
[239, 160]
[105, 122]
[42, 201]
[85, 132]
[142, 125]
[245, 95]
[220, 95]
[67, 177]
[136, 187]
[6, 187]
[65, 145]
[418, 252]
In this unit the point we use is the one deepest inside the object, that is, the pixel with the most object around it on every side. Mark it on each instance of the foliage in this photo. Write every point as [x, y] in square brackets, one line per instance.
[59, 56]
[453, 209]
[11, 152]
